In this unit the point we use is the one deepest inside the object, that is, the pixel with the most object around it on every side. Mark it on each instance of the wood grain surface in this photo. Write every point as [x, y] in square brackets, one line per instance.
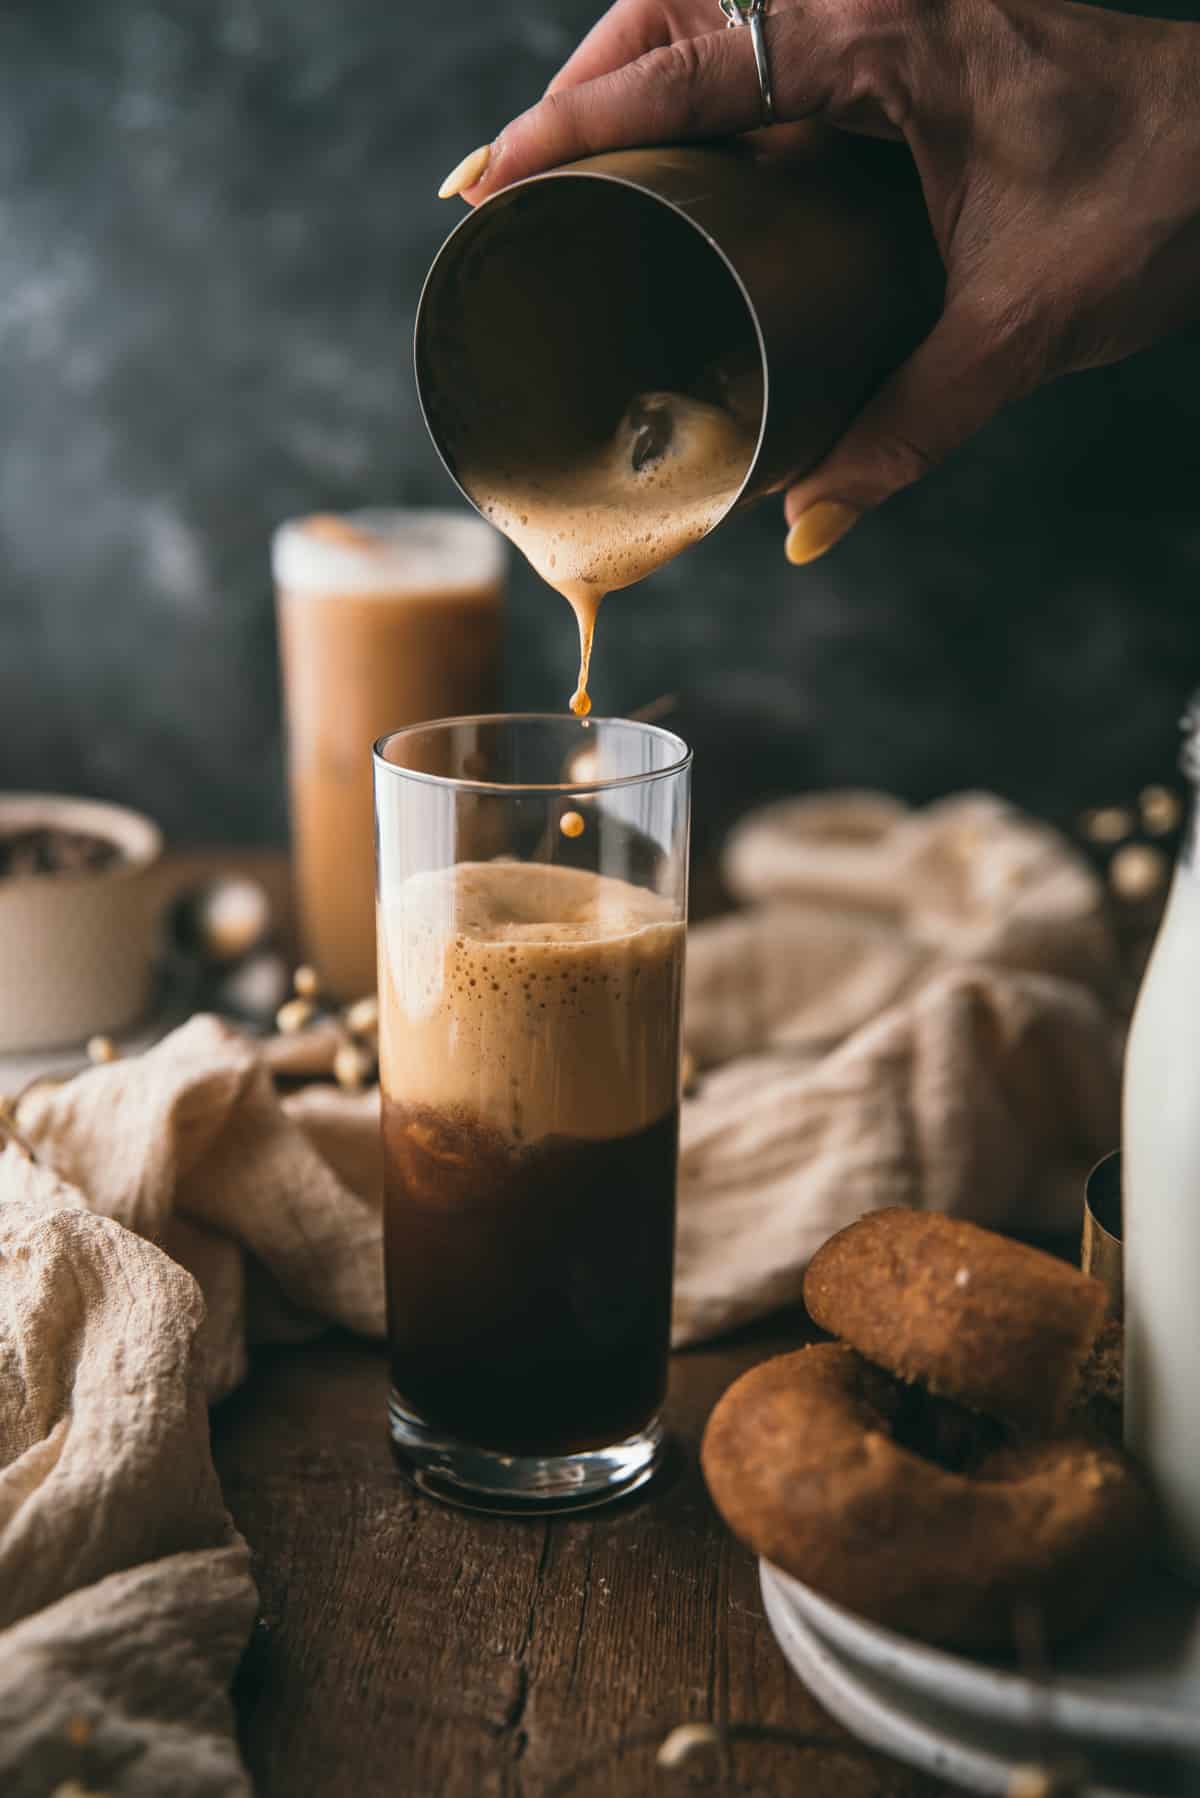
[409, 1650]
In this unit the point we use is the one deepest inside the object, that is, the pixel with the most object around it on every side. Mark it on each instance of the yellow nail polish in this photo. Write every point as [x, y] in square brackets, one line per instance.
[819, 529]
[466, 173]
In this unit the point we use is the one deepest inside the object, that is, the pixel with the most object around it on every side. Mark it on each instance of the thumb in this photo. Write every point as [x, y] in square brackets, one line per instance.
[698, 87]
[951, 385]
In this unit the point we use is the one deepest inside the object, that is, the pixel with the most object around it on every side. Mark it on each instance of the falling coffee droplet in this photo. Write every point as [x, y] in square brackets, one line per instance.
[571, 824]
[585, 607]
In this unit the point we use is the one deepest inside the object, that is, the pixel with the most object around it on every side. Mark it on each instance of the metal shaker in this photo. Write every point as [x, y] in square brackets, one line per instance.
[561, 297]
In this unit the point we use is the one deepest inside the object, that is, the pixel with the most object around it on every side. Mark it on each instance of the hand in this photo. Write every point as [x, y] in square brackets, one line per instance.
[1058, 148]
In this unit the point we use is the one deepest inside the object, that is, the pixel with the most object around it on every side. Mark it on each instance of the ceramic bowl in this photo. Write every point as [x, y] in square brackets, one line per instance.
[77, 949]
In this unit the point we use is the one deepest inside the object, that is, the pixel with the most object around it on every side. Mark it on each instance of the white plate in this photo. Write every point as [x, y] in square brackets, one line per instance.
[979, 1755]
[1134, 1679]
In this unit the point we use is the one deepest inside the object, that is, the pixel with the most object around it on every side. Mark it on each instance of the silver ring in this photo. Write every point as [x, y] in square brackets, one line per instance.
[752, 12]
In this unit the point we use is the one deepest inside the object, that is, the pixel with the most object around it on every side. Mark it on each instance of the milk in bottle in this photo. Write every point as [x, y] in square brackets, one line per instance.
[1161, 1205]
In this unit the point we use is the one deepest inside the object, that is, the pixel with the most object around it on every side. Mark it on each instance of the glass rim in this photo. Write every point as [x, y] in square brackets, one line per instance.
[462, 783]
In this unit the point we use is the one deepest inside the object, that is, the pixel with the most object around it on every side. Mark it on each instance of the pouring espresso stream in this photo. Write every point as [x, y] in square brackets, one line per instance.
[669, 472]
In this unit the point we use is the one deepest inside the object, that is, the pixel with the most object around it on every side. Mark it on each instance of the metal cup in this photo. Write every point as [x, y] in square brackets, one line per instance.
[563, 296]
[1102, 1241]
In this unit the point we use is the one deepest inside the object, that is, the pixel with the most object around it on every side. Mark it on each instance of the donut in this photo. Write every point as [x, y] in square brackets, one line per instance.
[971, 1315]
[803, 1462]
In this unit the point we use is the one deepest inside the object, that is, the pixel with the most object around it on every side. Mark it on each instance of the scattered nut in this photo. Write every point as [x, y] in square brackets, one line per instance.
[351, 1067]
[688, 1073]
[102, 1049]
[229, 918]
[1138, 871]
[1066, 1781]
[1107, 824]
[78, 1732]
[1030, 1782]
[293, 1016]
[362, 1018]
[687, 1740]
[1162, 810]
[571, 824]
[305, 982]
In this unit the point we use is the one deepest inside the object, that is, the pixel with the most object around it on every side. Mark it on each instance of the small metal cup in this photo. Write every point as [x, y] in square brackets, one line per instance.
[1101, 1255]
[557, 301]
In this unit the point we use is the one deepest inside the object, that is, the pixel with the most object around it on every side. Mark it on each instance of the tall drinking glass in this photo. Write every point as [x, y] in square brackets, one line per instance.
[532, 915]
[385, 617]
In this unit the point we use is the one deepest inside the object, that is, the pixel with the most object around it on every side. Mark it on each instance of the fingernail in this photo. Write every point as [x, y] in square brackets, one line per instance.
[819, 529]
[466, 174]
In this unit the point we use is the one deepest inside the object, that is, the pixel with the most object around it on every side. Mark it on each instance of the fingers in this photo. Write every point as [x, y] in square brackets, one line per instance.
[628, 30]
[700, 87]
[697, 87]
[949, 387]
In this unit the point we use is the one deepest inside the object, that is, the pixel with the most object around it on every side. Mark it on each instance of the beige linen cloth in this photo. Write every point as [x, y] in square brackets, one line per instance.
[910, 1009]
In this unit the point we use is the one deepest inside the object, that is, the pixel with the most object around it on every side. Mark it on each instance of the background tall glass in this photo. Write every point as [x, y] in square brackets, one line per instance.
[532, 913]
[385, 617]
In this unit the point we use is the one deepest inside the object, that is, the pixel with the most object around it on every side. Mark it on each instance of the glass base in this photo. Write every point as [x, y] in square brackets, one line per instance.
[481, 1479]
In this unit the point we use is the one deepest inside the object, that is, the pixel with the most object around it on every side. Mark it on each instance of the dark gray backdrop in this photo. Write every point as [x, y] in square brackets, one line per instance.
[214, 219]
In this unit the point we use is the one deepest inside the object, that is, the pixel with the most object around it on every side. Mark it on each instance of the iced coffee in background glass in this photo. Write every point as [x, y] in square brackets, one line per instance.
[386, 618]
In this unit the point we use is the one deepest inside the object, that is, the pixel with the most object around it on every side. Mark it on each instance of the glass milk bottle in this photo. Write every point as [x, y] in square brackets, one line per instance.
[1161, 1203]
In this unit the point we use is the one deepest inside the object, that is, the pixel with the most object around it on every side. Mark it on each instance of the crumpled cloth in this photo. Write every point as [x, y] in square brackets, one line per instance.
[912, 1008]
[177, 1212]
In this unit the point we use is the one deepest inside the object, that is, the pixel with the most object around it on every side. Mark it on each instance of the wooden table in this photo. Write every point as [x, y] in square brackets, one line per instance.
[406, 1650]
